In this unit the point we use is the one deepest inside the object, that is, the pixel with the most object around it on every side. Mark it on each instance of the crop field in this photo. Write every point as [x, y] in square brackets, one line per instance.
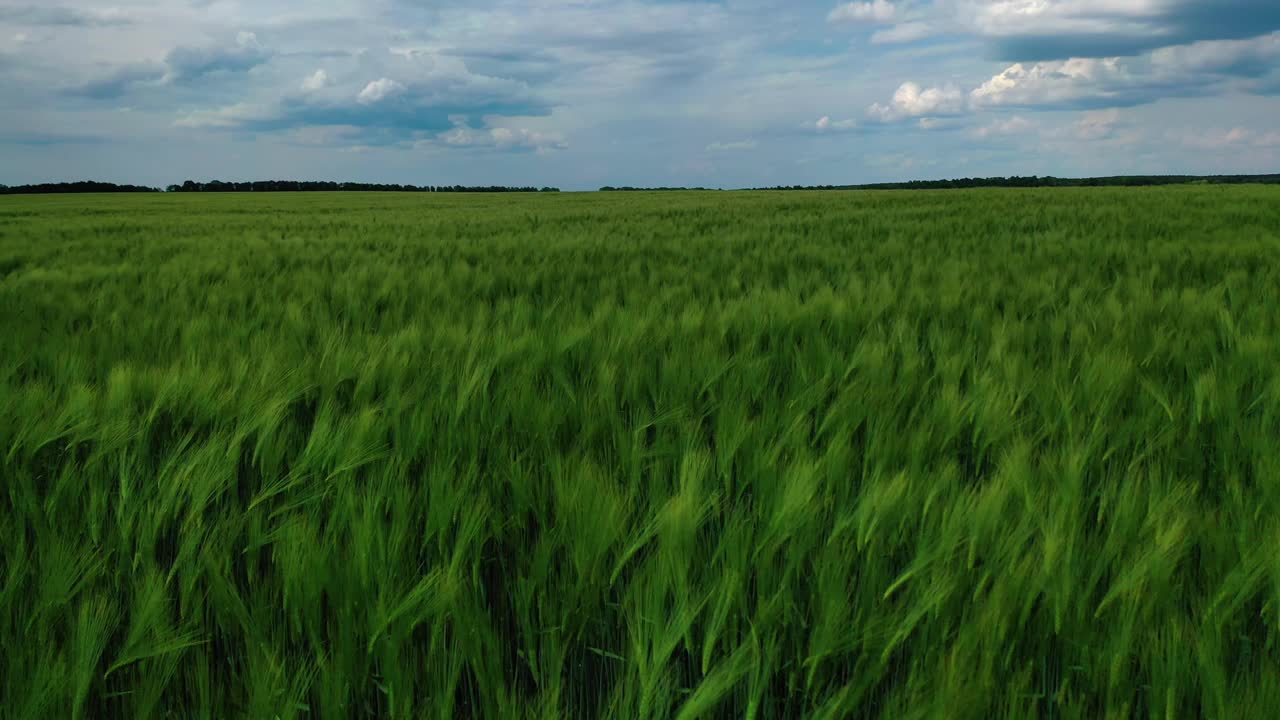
[971, 454]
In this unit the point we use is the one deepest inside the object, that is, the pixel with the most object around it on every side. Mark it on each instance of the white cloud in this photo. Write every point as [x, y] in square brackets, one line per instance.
[873, 11]
[1097, 125]
[430, 73]
[323, 136]
[1223, 139]
[1209, 67]
[1109, 126]
[1244, 57]
[1052, 83]
[317, 81]
[379, 90]
[912, 101]
[902, 33]
[732, 146]
[501, 138]
[1015, 125]
[223, 118]
[1235, 135]
[826, 124]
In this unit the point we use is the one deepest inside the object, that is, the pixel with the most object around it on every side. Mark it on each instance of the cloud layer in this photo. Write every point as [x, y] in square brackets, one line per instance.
[669, 92]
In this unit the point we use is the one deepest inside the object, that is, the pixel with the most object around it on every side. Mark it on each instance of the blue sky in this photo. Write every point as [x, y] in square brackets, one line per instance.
[582, 93]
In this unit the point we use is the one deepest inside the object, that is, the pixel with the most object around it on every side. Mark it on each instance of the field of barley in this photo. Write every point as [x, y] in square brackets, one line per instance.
[972, 454]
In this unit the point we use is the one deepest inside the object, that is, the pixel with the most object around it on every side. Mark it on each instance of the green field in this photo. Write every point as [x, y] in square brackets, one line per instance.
[971, 454]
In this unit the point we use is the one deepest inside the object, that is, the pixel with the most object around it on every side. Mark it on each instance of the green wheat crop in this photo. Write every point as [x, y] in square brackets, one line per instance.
[980, 454]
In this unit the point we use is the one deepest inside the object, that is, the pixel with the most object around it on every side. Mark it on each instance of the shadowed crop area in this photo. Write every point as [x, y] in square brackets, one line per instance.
[970, 454]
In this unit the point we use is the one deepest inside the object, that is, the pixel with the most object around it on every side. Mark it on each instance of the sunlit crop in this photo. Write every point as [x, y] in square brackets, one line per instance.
[971, 454]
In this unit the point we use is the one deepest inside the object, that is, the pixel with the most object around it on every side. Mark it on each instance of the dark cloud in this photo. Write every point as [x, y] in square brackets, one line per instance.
[1181, 22]
[400, 118]
[1269, 87]
[183, 65]
[119, 82]
[1226, 19]
[391, 123]
[528, 66]
[398, 98]
[189, 63]
[625, 44]
[1038, 48]
[317, 54]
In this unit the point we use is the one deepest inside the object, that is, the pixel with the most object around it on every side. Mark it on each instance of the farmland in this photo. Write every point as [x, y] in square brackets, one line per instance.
[962, 454]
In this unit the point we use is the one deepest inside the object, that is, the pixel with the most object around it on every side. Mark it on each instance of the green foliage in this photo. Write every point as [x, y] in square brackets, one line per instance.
[74, 187]
[969, 454]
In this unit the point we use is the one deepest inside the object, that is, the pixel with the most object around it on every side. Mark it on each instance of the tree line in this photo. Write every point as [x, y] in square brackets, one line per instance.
[260, 186]
[1049, 181]
[74, 187]
[310, 186]
[628, 188]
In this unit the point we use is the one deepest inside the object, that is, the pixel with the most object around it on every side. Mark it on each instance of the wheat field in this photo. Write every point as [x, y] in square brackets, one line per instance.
[971, 454]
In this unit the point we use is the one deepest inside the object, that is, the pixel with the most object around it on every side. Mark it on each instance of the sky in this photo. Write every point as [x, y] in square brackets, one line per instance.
[584, 93]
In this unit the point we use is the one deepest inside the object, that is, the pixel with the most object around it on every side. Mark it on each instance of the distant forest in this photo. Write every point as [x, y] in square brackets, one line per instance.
[259, 186]
[1050, 181]
[75, 187]
[1010, 182]
[307, 186]
[628, 188]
